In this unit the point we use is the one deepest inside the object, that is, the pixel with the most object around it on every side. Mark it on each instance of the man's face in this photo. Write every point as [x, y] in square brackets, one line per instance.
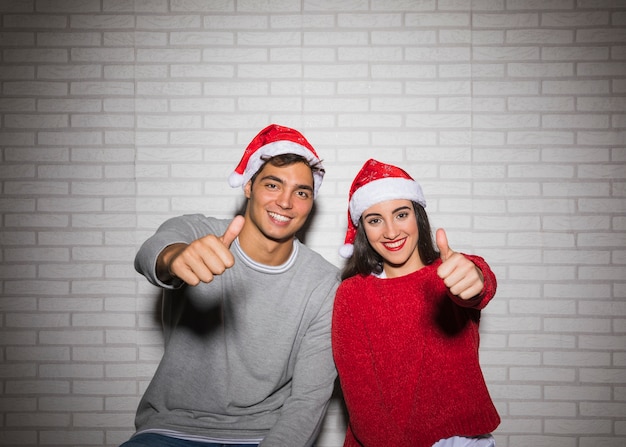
[280, 200]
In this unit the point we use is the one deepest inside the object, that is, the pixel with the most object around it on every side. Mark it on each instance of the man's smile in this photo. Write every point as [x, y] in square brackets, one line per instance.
[279, 217]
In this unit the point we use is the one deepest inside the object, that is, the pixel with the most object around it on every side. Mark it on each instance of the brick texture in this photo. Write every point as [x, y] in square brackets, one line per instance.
[116, 115]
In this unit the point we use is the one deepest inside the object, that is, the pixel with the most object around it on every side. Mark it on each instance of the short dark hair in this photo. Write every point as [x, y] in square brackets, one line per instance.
[282, 160]
[365, 260]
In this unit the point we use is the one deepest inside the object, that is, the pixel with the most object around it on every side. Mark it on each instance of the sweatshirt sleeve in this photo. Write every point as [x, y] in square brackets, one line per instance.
[371, 422]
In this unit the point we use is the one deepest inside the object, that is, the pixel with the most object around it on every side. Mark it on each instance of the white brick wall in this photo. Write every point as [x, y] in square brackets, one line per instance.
[117, 114]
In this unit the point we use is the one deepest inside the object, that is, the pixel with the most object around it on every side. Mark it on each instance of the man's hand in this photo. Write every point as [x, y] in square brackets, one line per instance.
[200, 260]
[459, 274]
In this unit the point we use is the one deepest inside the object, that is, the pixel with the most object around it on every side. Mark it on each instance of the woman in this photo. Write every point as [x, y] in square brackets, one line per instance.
[405, 323]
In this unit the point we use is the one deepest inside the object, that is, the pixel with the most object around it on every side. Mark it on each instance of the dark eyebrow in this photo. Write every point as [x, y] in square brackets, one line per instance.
[401, 208]
[273, 178]
[282, 182]
[367, 216]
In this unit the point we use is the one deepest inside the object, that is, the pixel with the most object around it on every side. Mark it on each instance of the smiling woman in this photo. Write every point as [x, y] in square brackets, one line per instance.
[403, 314]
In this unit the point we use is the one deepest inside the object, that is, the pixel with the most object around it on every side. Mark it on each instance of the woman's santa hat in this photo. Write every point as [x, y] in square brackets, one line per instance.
[377, 182]
[271, 141]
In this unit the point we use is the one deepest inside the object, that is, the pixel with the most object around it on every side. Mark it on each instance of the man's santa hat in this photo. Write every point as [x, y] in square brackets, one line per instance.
[271, 141]
[377, 182]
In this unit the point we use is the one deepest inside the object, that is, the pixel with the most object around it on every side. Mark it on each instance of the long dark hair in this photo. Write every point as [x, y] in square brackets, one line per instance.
[365, 260]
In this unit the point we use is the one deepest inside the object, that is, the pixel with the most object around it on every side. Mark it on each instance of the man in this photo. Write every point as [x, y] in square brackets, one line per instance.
[247, 312]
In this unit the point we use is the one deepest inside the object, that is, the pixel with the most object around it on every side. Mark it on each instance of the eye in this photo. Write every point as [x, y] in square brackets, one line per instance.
[374, 221]
[304, 194]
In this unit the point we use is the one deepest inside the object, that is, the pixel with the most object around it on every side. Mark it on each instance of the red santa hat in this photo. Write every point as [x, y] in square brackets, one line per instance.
[271, 141]
[377, 182]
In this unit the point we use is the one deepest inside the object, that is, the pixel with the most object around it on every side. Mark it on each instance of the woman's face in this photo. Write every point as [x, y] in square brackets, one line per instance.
[391, 229]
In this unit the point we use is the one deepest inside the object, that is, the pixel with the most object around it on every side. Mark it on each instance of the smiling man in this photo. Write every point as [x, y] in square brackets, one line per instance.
[247, 312]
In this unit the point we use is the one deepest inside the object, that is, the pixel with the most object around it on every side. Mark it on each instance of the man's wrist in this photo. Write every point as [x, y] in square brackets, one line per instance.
[164, 261]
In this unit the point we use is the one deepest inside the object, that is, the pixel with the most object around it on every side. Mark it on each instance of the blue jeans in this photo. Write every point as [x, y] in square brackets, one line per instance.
[156, 440]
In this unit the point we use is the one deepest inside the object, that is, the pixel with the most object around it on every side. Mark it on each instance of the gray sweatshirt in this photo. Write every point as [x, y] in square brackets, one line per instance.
[247, 356]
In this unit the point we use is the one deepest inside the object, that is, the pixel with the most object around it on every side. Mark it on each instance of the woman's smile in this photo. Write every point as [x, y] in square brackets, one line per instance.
[395, 245]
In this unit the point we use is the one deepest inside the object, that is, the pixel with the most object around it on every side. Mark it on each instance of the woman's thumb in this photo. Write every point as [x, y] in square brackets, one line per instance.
[442, 244]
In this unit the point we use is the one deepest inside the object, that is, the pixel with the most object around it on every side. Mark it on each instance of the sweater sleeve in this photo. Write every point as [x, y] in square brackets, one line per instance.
[362, 394]
[489, 286]
[181, 229]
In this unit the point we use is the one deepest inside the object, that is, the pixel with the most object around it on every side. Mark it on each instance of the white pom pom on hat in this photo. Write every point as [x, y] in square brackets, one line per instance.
[271, 141]
[377, 182]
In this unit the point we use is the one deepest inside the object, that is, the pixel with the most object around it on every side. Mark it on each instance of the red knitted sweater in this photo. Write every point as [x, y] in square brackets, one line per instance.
[407, 356]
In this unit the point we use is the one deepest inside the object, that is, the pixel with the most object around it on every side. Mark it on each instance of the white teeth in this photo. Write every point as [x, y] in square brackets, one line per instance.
[394, 244]
[279, 217]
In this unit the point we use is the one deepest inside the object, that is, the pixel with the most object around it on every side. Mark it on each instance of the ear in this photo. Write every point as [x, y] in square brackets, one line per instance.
[247, 189]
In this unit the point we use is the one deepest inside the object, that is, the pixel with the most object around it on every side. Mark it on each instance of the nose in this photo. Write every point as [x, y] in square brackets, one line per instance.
[284, 199]
[391, 232]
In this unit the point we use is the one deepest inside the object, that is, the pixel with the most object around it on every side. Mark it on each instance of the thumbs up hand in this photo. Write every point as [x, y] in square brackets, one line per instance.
[458, 273]
[200, 260]
[233, 230]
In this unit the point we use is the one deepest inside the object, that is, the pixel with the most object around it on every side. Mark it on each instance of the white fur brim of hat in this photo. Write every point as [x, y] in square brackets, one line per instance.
[381, 190]
[270, 150]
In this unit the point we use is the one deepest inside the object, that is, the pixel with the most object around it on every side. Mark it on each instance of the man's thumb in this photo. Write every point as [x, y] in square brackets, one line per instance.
[233, 230]
[442, 244]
